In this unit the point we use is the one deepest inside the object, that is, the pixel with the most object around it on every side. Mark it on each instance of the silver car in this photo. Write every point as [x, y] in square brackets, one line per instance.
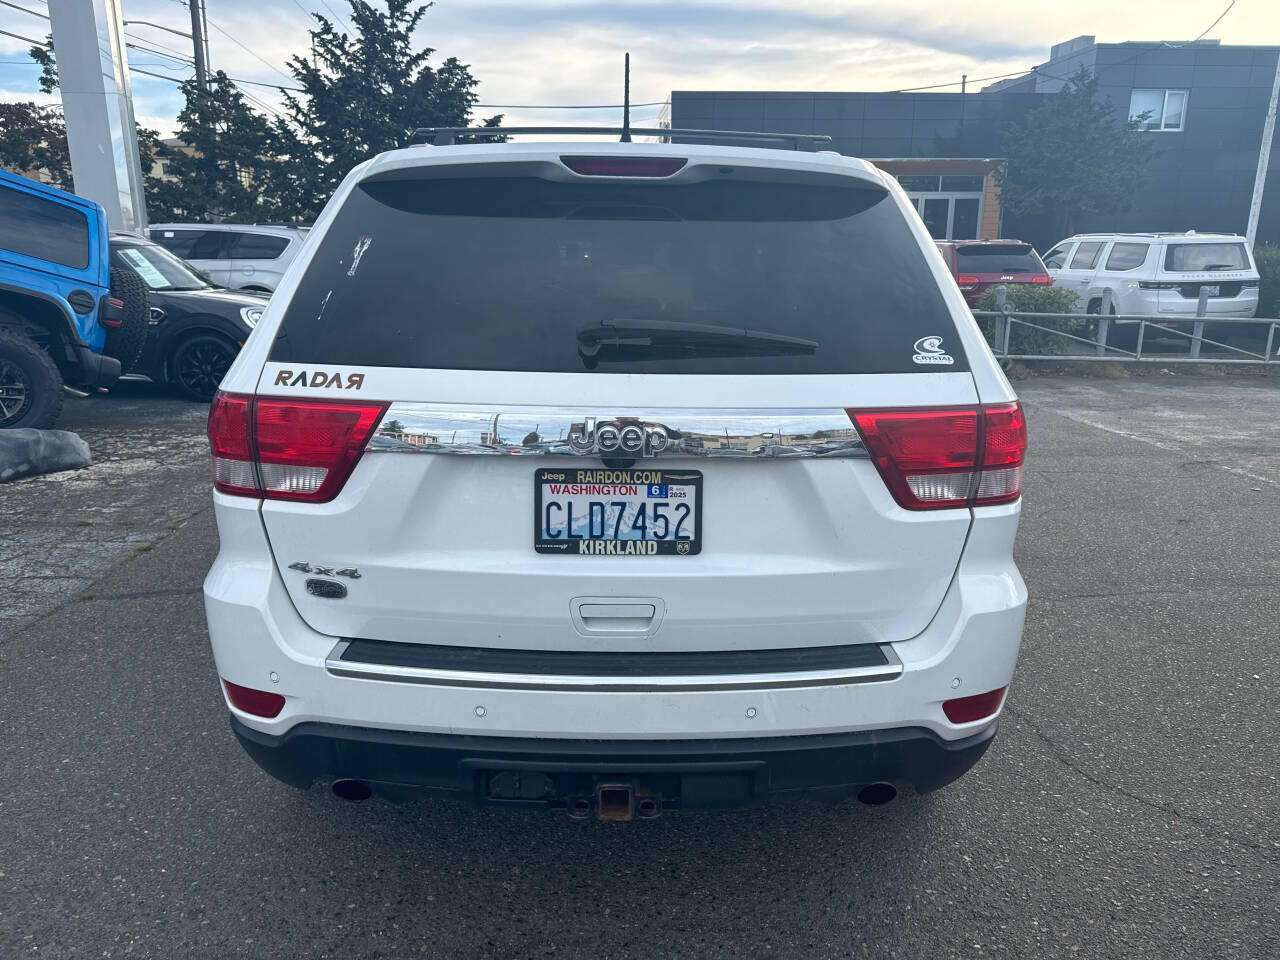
[237, 256]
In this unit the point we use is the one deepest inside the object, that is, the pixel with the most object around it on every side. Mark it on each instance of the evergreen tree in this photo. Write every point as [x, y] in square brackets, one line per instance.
[1071, 156]
[366, 93]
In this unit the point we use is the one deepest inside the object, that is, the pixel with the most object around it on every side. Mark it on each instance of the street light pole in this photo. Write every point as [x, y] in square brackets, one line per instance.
[197, 42]
[1264, 157]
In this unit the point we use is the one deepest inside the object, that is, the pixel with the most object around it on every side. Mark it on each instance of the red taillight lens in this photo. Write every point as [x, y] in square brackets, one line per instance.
[1004, 441]
[229, 443]
[624, 166]
[967, 282]
[978, 707]
[260, 703]
[929, 459]
[1042, 280]
[287, 449]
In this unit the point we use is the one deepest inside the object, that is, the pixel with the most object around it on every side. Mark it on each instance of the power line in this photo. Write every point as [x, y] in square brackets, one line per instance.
[938, 86]
[565, 106]
[160, 75]
[18, 36]
[159, 53]
[263, 60]
[34, 13]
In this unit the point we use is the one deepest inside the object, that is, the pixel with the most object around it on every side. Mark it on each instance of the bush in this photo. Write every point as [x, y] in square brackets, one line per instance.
[1030, 299]
[1268, 257]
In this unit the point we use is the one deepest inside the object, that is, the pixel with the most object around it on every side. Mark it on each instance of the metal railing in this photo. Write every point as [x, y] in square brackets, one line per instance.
[1006, 317]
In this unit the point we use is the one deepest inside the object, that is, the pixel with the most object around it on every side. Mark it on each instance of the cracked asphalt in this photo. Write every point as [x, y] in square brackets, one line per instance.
[1128, 808]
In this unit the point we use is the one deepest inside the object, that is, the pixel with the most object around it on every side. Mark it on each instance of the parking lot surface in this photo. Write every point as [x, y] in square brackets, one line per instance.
[1128, 808]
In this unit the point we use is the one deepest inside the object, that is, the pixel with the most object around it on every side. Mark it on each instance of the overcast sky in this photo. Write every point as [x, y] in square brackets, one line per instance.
[567, 52]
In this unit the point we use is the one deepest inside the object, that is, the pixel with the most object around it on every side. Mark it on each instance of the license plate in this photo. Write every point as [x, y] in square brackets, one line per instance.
[596, 511]
[1211, 290]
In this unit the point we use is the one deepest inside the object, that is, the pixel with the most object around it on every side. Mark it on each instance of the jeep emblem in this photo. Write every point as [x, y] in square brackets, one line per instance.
[625, 436]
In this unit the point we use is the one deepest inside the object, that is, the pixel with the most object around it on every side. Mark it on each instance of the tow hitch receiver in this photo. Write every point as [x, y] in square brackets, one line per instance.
[615, 802]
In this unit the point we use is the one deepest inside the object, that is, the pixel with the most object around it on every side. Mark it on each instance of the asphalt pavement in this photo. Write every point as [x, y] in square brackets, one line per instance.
[1128, 808]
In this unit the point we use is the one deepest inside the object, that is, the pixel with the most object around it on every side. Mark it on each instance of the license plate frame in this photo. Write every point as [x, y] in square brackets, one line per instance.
[607, 477]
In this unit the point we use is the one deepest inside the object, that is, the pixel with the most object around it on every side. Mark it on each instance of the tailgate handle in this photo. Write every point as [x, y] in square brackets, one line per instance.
[603, 615]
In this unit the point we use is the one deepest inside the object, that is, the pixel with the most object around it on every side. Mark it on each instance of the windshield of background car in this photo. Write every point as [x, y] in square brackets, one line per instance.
[997, 258]
[1190, 257]
[159, 269]
[44, 229]
[721, 277]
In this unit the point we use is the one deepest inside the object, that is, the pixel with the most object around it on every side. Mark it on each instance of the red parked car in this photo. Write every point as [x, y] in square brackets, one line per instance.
[979, 264]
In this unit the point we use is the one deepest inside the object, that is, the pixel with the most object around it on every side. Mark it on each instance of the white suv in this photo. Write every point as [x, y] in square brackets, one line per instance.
[616, 478]
[1158, 274]
[238, 256]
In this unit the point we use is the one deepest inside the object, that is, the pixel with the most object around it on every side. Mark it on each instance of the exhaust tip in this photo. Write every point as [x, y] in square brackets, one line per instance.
[352, 790]
[877, 794]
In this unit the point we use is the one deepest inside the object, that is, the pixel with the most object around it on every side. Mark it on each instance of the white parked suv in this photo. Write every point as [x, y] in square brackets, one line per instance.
[1158, 274]
[618, 478]
[238, 256]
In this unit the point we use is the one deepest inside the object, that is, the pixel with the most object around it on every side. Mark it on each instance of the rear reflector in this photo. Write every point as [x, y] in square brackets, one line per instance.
[977, 707]
[967, 282]
[947, 457]
[260, 703]
[287, 449]
[624, 166]
[1042, 280]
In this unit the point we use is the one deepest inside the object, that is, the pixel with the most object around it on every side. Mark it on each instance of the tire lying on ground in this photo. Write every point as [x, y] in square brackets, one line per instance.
[125, 342]
[30, 384]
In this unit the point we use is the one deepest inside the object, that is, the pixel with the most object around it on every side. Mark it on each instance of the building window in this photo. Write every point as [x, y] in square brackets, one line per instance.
[919, 183]
[1164, 110]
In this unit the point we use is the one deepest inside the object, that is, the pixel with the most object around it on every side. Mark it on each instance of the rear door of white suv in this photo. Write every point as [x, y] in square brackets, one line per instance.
[504, 334]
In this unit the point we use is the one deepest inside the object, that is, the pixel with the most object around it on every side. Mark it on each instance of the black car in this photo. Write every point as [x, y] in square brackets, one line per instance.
[196, 328]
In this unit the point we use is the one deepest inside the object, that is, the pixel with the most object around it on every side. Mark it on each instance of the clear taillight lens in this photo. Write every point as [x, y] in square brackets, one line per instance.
[287, 449]
[940, 458]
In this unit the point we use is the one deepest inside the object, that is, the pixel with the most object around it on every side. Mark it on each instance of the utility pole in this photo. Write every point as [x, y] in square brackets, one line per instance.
[1264, 157]
[626, 99]
[197, 43]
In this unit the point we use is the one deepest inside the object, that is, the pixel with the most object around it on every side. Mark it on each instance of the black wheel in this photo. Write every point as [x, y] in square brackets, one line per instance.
[125, 342]
[198, 365]
[1122, 335]
[30, 384]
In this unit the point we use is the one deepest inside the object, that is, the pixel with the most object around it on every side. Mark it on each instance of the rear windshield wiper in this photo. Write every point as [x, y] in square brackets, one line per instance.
[623, 339]
[1221, 266]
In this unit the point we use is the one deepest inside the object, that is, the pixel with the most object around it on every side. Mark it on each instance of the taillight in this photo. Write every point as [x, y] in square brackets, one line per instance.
[967, 282]
[287, 449]
[260, 703]
[947, 457]
[1042, 280]
[624, 166]
[977, 707]
[1156, 285]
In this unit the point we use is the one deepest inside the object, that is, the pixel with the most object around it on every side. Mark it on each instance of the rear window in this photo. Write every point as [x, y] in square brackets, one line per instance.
[195, 244]
[1190, 257]
[997, 258]
[40, 228]
[526, 274]
[1127, 256]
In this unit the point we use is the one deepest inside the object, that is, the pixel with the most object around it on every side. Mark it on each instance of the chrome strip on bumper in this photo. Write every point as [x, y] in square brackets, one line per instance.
[411, 427]
[338, 667]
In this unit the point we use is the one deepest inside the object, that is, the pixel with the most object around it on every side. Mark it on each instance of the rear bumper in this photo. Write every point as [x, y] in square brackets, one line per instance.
[94, 370]
[686, 774]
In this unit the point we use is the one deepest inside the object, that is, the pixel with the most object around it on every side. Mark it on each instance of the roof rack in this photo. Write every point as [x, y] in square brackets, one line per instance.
[444, 136]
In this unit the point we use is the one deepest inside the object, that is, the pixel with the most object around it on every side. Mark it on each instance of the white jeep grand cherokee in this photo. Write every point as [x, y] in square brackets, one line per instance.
[616, 478]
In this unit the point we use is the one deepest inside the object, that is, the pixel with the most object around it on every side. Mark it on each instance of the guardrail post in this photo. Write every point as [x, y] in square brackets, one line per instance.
[1104, 322]
[1197, 331]
[999, 334]
[1271, 337]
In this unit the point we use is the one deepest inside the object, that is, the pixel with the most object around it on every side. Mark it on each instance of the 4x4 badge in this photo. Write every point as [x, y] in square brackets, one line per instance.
[928, 350]
[351, 573]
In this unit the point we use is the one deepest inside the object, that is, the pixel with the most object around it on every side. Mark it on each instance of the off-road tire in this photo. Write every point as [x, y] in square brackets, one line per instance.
[125, 342]
[27, 369]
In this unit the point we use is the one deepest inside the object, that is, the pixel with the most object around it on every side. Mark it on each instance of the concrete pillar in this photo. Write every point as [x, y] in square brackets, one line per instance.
[93, 78]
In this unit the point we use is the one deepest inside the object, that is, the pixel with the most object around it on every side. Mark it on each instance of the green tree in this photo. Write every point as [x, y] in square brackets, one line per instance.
[33, 137]
[229, 158]
[365, 93]
[1071, 156]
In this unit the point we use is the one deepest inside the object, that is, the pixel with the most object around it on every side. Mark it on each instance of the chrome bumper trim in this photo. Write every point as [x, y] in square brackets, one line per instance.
[754, 434]
[338, 667]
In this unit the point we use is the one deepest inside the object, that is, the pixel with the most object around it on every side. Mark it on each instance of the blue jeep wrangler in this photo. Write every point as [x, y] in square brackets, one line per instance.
[66, 317]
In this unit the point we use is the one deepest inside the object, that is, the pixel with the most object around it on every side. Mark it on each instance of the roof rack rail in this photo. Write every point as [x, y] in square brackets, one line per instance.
[444, 136]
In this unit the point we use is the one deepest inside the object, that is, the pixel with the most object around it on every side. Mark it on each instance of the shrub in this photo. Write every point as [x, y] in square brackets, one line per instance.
[1030, 299]
[1268, 257]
